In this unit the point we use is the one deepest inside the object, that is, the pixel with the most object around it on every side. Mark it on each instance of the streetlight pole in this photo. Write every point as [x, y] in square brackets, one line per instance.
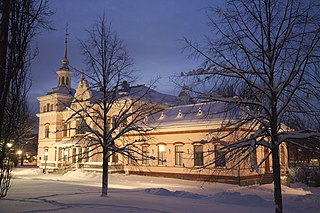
[19, 153]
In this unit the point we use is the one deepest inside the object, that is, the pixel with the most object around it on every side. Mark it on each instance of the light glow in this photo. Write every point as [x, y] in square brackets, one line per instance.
[162, 148]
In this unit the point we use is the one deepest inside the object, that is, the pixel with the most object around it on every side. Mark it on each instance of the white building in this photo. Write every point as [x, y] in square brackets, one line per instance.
[175, 145]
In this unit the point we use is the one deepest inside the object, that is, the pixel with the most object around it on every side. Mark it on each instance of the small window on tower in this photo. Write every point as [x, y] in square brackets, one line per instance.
[67, 81]
[62, 79]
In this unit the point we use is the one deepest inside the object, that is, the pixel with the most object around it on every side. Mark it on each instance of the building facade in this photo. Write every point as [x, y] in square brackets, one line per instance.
[175, 148]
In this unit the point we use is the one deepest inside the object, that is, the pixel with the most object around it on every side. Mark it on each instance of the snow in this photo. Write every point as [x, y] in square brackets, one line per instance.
[79, 191]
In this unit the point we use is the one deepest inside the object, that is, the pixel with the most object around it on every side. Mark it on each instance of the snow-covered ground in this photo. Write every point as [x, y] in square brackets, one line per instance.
[79, 191]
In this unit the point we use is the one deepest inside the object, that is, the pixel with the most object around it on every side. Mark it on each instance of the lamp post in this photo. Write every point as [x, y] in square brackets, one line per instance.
[19, 153]
[45, 160]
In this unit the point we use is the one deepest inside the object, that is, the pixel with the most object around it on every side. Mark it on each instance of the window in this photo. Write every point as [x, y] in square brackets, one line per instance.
[161, 155]
[85, 154]
[60, 154]
[74, 155]
[46, 131]
[80, 126]
[113, 157]
[145, 154]
[67, 81]
[62, 80]
[220, 156]
[282, 155]
[178, 155]
[198, 155]
[253, 157]
[65, 130]
[48, 107]
[69, 129]
[44, 109]
[51, 107]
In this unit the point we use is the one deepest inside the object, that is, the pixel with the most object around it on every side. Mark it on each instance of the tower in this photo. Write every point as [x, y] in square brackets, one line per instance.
[64, 73]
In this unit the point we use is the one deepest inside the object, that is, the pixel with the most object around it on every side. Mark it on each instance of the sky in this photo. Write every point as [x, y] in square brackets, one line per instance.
[151, 30]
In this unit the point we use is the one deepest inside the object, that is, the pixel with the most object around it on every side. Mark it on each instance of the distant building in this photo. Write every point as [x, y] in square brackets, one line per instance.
[176, 143]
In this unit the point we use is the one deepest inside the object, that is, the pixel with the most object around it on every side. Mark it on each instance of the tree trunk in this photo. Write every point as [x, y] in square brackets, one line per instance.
[3, 55]
[105, 176]
[277, 180]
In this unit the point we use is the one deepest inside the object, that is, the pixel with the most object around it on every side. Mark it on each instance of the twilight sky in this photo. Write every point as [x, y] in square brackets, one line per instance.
[151, 30]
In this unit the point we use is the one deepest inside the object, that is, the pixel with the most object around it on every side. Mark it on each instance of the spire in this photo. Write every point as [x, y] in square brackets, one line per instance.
[65, 61]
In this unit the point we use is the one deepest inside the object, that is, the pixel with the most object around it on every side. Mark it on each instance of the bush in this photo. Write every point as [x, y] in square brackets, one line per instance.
[305, 174]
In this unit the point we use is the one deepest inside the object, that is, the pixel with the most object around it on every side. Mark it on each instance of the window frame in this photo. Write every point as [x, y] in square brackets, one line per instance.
[220, 163]
[46, 130]
[198, 156]
[178, 155]
[162, 161]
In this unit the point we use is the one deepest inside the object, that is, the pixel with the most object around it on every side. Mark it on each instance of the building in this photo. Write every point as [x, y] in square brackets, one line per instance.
[174, 148]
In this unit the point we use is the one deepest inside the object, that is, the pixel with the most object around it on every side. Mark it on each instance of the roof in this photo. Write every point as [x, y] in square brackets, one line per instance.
[61, 90]
[200, 112]
[144, 92]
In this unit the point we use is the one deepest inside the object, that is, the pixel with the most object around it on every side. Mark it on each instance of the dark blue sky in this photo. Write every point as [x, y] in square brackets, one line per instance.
[151, 30]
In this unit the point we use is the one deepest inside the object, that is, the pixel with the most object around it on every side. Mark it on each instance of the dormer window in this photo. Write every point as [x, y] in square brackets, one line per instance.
[161, 116]
[200, 112]
[179, 114]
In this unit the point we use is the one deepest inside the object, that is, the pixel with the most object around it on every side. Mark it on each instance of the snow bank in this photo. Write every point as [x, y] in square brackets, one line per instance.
[27, 172]
[236, 198]
[166, 192]
[81, 174]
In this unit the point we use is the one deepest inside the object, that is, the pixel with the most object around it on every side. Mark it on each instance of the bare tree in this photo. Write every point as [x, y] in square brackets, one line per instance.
[267, 52]
[108, 109]
[20, 22]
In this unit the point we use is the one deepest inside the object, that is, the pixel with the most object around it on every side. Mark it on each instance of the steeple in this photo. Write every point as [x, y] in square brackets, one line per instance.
[65, 61]
[64, 73]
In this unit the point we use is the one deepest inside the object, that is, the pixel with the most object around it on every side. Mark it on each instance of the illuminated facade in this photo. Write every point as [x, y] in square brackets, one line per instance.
[176, 146]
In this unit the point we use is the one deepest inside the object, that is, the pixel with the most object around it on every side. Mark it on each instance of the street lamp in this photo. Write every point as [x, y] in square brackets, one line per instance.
[19, 153]
[45, 160]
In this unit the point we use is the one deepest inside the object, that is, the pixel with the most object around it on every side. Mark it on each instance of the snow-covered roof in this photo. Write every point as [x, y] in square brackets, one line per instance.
[144, 92]
[61, 90]
[200, 112]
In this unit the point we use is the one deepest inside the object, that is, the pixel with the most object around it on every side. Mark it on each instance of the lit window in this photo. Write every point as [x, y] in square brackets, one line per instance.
[161, 155]
[198, 155]
[178, 155]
